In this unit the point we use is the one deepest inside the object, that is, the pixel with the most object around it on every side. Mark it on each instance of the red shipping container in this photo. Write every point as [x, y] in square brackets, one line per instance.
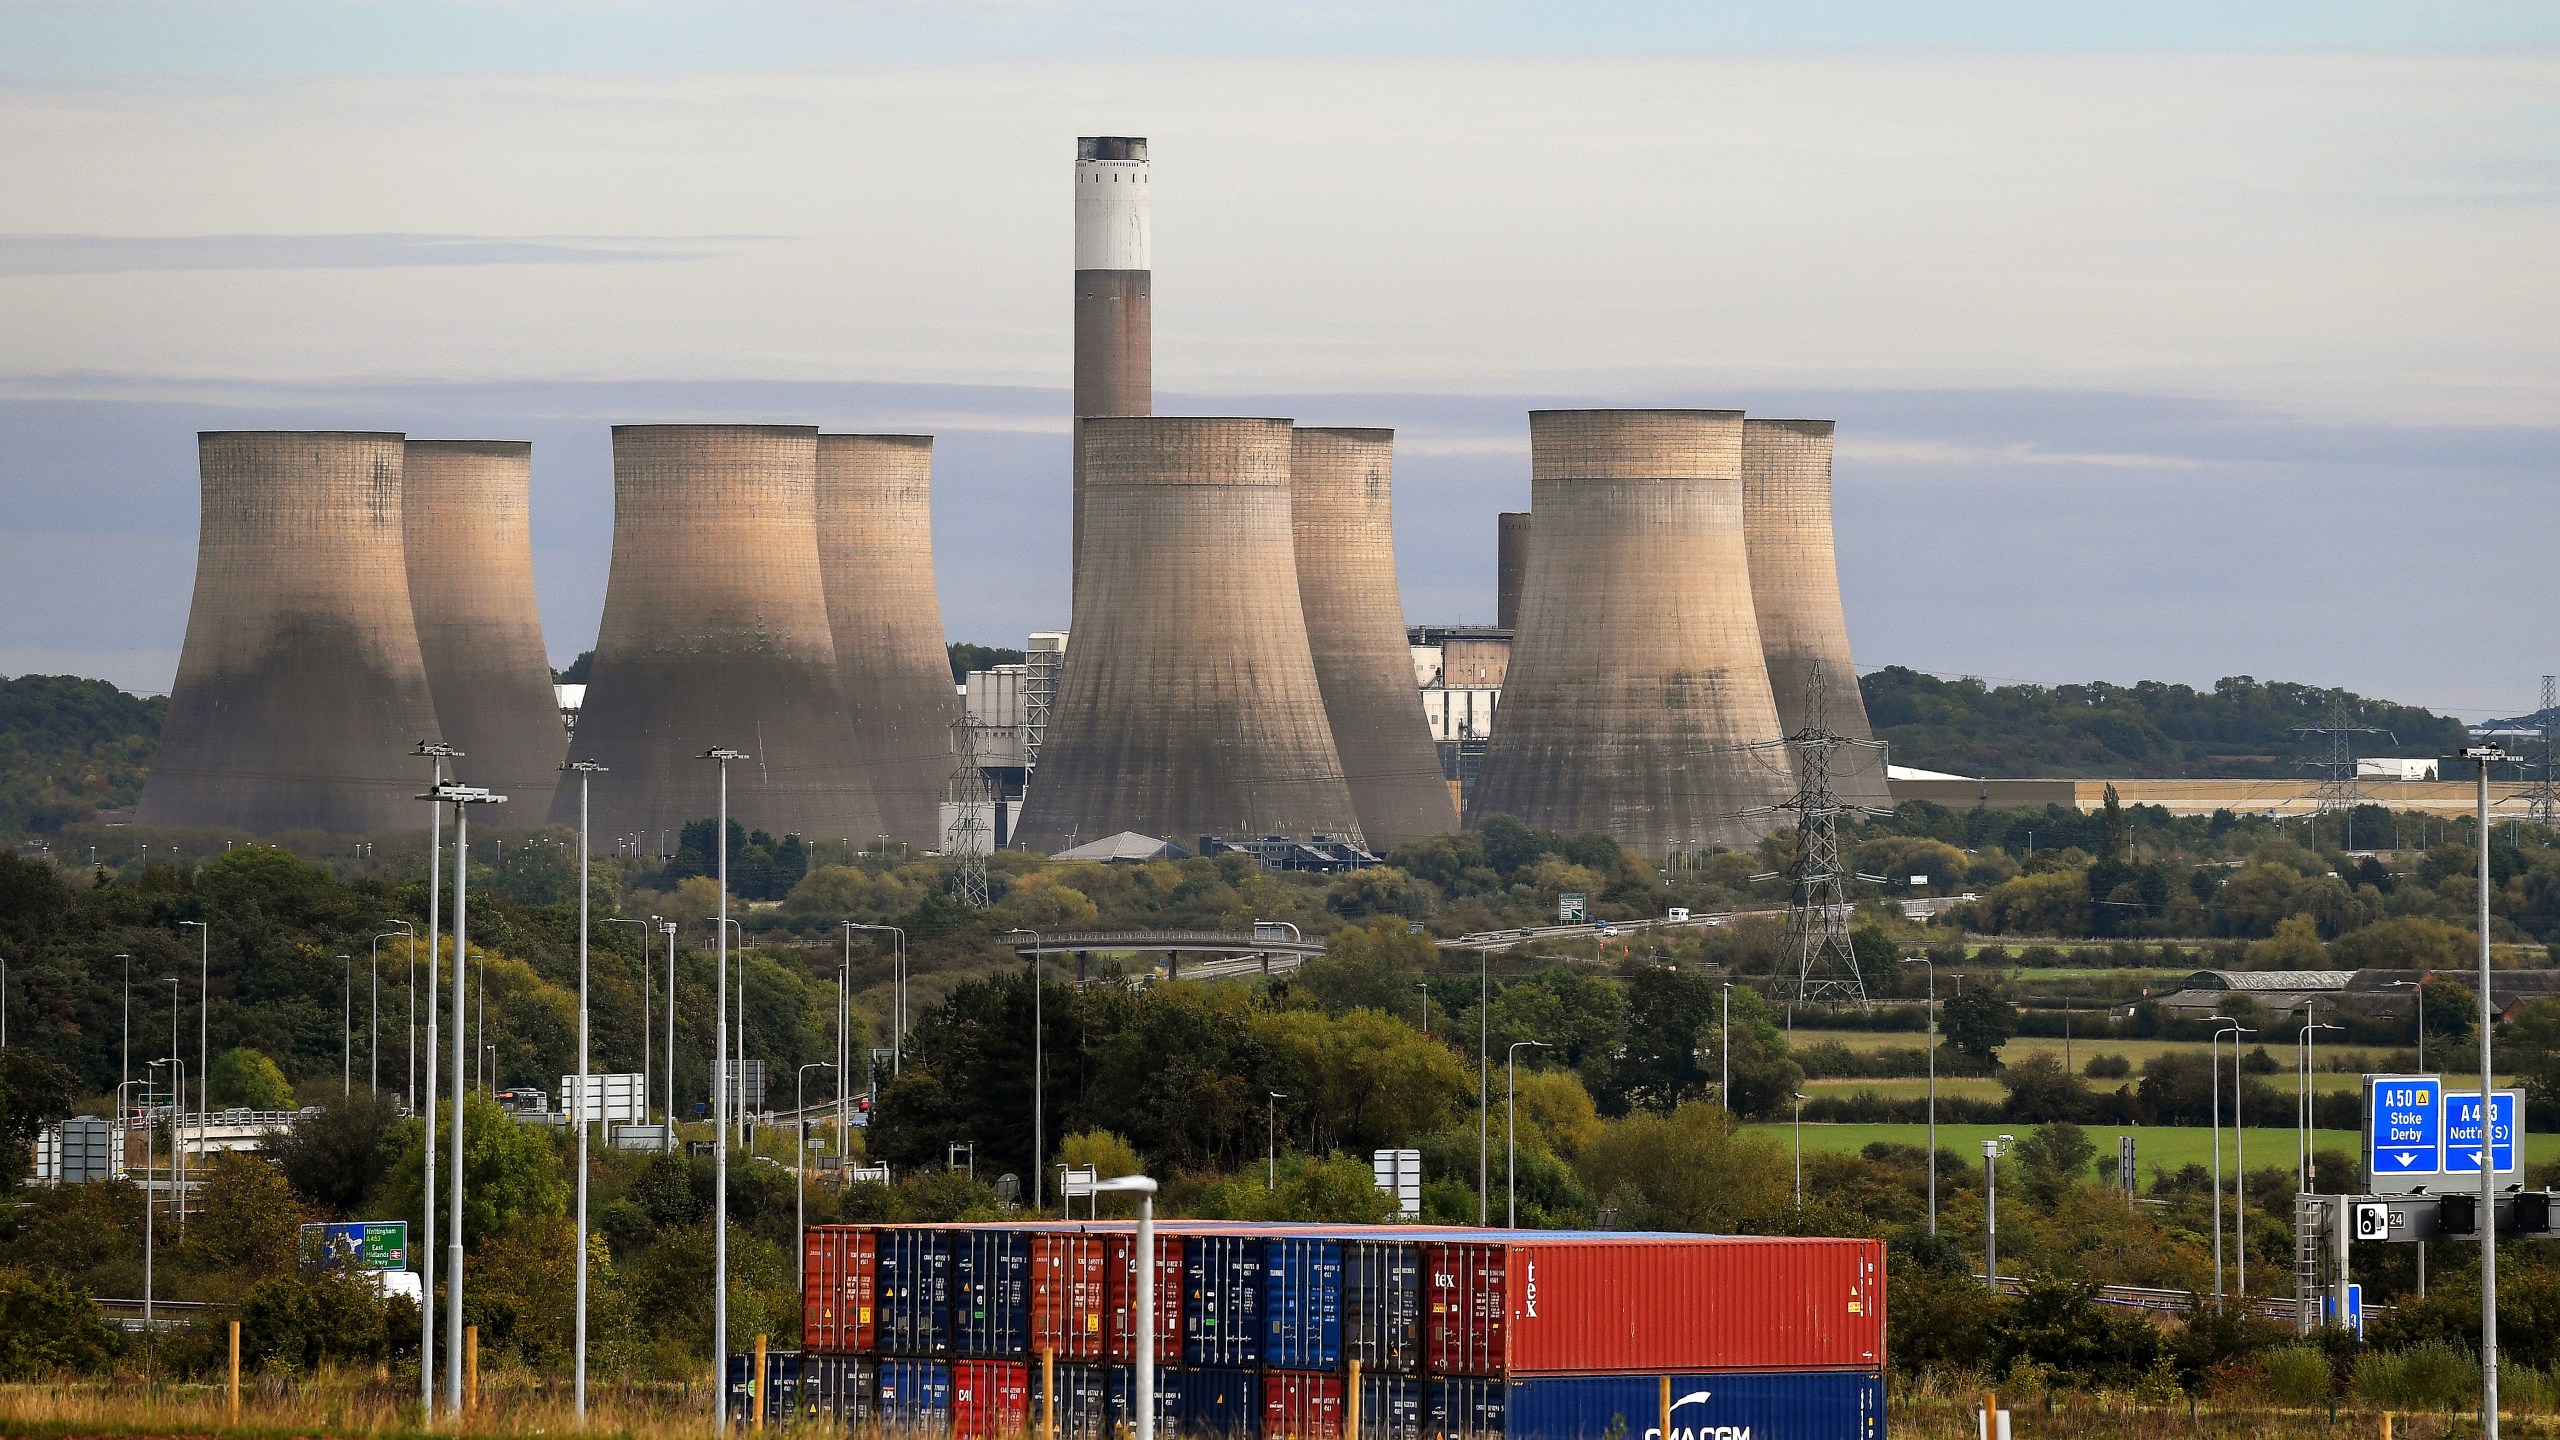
[990, 1399]
[1301, 1405]
[836, 1303]
[1084, 1297]
[1575, 1305]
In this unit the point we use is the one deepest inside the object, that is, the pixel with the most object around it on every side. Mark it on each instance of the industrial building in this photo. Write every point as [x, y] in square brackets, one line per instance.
[715, 636]
[875, 553]
[301, 690]
[1637, 673]
[1192, 705]
[1341, 516]
[1114, 289]
[1795, 593]
[467, 508]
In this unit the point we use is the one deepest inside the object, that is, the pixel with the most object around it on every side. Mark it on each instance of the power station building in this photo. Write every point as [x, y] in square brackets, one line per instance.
[875, 552]
[300, 691]
[715, 636]
[468, 522]
[1637, 674]
[1192, 705]
[1341, 513]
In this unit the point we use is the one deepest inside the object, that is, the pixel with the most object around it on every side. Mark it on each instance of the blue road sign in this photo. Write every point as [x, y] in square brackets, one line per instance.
[2355, 1308]
[2406, 1124]
[2462, 1132]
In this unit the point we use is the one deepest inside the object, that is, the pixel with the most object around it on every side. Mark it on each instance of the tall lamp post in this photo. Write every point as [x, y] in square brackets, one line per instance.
[586, 770]
[2481, 758]
[373, 1044]
[800, 1174]
[1992, 1150]
[2420, 986]
[646, 1069]
[1724, 1049]
[1798, 1097]
[347, 1077]
[720, 1114]
[740, 1055]
[667, 928]
[1144, 1258]
[1511, 1129]
[2303, 1111]
[204, 1008]
[897, 991]
[437, 753]
[125, 1022]
[1933, 1085]
[462, 798]
[2235, 1030]
[177, 1114]
[1271, 1138]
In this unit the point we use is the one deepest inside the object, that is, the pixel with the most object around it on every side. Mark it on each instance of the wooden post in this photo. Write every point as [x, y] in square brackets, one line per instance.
[471, 1367]
[1049, 1394]
[1665, 1432]
[2386, 1425]
[1990, 1415]
[755, 1388]
[235, 1374]
[1351, 1402]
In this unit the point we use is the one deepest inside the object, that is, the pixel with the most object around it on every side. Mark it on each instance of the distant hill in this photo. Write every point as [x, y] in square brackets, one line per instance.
[2242, 728]
[69, 748]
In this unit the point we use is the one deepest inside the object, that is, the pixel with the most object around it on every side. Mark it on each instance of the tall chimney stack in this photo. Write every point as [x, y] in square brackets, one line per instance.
[1115, 368]
[1510, 566]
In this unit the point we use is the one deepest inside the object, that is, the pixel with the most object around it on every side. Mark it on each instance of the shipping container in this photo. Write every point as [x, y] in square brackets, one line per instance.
[1084, 1297]
[1222, 1300]
[1080, 1401]
[1390, 1407]
[1213, 1403]
[989, 1398]
[1461, 1408]
[779, 1395]
[990, 1292]
[1382, 1305]
[1301, 1302]
[1763, 1405]
[915, 1395]
[836, 1302]
[1564, 1304]
[1301, 1405]
[1123, 1385]
[839, 1390]
[914, 1290]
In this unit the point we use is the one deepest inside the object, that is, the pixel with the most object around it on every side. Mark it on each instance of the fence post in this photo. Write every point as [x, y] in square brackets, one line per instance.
[235, 1372]
[1351, 1402]
[471, 1368]
[1049, 1394]
[755, 1388]
[1665, 1432]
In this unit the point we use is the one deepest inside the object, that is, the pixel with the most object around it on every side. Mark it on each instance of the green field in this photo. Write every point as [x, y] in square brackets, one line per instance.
[2170, 1147]
[1983, 1087]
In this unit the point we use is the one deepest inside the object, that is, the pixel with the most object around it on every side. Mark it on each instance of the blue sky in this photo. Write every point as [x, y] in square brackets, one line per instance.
[2171, 342]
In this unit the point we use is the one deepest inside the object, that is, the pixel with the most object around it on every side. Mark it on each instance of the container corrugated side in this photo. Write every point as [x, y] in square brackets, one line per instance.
[1301, 1302]
[839, 1390]
[1080, 1397]
[1123, 1384]
[989, 1398]
[1655, 1305]
[1301, 1405]
[915, 1394]
[1390, 1407]
[1216, 1402]
[1222, 1299]
[778, 1395]
[1764, 1405]
[1084, 1297]
[913, 1317]
[1461, 1407]
[990, 1293]
[1382, 1305]
[836, 1302]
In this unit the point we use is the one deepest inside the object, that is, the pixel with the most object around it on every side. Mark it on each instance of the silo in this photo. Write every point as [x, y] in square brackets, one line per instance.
[1636, 673]
[715, 636]
[875, 550]
[1192, 707]
[1511, 566]
[1115, 369]
[1340, 484]
[1795, 587]
[467, 512]
[300, 692]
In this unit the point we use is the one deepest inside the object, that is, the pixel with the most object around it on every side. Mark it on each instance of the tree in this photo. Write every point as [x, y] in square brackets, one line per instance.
[1688, 1170]
[245, 1079]
[2056, 1154]
[337, 1157]
[250, 1226]
[511, 1173]
[47, 1327]
[298, 1321]
[34, 1092]
[1977, 1020]
[1671, 1019]
[2041, 1090]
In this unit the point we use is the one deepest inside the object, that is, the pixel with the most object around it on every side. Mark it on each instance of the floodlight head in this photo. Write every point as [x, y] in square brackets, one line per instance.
[584, 766]
[437, 747]
[723, 755]
[2490, 754]
[1125, 1185]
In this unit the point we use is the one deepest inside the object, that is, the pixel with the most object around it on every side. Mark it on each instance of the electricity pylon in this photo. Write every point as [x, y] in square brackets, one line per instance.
[1818, 907]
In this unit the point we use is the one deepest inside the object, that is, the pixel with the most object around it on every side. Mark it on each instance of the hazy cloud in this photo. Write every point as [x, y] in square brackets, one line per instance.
[129, 254]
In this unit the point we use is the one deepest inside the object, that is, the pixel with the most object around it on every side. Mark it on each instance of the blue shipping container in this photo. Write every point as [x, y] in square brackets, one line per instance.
[780, 1392]
[1122, 1415]
[1460, 1407]
[990, 1293]
[1211, 1403]
[1302, 1303]
[915, 1394]
[1382, 1305]
[1082, 1397]
[1222, 1300]
[914, 1293]
[1763, 1405]
[1390, 1408]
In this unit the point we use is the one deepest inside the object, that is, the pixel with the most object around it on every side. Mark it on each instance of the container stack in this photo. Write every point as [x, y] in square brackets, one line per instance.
[1318, 1332]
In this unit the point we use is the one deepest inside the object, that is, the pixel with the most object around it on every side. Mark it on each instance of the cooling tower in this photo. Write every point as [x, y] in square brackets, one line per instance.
[1340, 483]
[1115, 372]
[467, 513]
[1636, 671]
[715, 635]
[300, 692]
[1511, 566]
[875, 549]
[1192, 707]
[1795, 587]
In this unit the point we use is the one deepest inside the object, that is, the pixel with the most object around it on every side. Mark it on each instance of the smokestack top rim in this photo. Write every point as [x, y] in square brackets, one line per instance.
[1112, 147]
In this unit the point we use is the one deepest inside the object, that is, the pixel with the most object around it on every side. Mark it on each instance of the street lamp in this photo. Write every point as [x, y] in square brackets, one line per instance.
[1511, 1130]
[2419, 985]
[2303, 1113]
[1039, 1076]
[462, 798]
[373, 1042]
[1144, 1258]
[586, 770]
[1798, 1097]
[347, 1017]
[125, 1029]
[177, 1111]
[1933, 1085]
[1424, 987]
[1724, 1049]
[646, 1068]
[437, 753]
[728, 925]
[1271, 1138]
[2481, 758]
[800, 1175]
[668, 929]
[1992, 1150]
[897, 992]
[720, 1111]
[204, 1007]
[2235, 1030]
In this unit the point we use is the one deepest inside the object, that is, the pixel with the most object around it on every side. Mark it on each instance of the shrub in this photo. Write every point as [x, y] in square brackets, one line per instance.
[47, 1326]
[2299, 1376]
[2432, 1375]
[2107, 1067]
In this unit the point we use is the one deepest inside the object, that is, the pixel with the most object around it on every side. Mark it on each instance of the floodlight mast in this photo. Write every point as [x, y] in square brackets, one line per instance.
[1144, 1258]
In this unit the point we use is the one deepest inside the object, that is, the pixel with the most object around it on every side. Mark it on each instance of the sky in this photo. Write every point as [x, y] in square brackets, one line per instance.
[2171, 343]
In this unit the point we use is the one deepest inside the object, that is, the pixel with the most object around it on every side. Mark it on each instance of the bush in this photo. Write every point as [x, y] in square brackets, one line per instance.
[2433, 1375]
[48, 1327]
[2107, 1067]
[2299, 1376]
[245, 1078]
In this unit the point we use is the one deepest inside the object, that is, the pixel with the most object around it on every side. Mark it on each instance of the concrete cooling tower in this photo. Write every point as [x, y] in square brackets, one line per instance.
[1795, 587]
[715, 636]
[875, 549]
[1511, 566]
[300, 691]
[1192, 707]
[1115, 371]
[467, 514]
[1636, 671]
[1344, 526]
